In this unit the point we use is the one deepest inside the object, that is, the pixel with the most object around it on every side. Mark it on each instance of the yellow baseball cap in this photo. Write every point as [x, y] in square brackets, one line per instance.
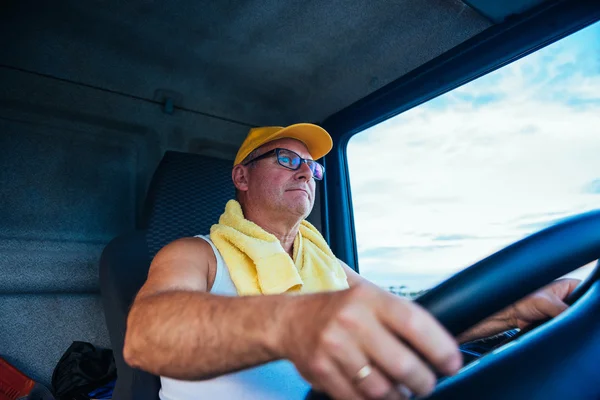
[316, 139]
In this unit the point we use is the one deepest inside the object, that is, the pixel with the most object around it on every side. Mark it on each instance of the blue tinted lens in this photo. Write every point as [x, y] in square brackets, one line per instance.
[316, 168]
[293, 161]
[288, 159]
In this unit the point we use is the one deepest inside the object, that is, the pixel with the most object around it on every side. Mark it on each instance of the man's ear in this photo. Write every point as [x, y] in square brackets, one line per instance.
[239, 175]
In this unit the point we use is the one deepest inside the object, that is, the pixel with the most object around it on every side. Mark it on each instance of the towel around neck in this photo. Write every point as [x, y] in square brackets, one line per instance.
[258, 264]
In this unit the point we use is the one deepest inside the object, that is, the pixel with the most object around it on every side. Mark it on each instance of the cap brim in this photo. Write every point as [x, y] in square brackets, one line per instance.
[316, 139]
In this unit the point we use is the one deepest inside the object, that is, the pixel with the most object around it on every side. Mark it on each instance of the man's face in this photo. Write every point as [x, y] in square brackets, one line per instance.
[275, 188]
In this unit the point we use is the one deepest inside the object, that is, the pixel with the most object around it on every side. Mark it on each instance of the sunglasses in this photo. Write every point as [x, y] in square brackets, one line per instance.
[291, 160]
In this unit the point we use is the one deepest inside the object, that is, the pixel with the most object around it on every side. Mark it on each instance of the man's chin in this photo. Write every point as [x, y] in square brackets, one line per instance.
[300, 208]
[305, 211]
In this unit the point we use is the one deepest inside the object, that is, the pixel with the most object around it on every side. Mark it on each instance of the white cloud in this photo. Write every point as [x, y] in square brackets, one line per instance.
[490, 172]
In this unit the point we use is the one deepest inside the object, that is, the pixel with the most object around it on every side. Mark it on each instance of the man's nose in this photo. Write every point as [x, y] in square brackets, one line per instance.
[304, 172]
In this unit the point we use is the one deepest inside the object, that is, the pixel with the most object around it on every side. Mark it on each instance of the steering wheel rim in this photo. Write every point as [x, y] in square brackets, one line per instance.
[489, 286]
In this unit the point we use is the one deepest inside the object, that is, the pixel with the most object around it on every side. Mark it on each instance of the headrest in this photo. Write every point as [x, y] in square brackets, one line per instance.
[186, 197]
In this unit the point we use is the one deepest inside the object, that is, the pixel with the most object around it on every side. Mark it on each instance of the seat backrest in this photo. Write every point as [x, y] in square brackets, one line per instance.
[187, 195]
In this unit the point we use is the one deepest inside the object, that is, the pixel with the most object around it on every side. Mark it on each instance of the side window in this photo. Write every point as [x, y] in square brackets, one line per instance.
[448, 183]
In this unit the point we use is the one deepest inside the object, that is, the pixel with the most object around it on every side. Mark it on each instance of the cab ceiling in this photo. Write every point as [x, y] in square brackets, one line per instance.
[254, 62]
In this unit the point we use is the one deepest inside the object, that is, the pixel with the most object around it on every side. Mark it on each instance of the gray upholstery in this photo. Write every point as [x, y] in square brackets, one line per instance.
[187, 194]
[123, 268]
[64, 194]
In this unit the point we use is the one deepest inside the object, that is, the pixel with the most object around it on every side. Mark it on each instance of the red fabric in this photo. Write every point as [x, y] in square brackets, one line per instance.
[13, 383]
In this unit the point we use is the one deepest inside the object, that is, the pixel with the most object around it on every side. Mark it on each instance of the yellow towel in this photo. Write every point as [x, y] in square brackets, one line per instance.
[258, 264]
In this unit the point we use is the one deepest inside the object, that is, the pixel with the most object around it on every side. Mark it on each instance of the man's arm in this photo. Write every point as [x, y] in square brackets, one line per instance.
[173, 315]
[174, 322]
[177, 329]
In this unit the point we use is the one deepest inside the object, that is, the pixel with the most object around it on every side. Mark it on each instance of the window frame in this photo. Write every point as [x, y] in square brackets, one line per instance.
[490, 50]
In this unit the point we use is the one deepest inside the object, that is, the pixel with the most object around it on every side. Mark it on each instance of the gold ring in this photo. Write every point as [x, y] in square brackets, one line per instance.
[363, 373]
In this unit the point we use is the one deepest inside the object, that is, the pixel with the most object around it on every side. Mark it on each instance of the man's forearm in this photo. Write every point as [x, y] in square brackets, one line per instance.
[197, 335]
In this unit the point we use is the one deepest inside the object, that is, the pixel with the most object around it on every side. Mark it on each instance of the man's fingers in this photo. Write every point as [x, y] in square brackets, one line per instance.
[551, 305]
[424, 333]
[375, 341]
[405, 394]
[563, 287]
[395, 358]
[351, 360]
[330, 379]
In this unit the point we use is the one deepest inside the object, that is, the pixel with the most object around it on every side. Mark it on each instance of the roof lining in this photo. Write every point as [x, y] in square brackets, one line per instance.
[260, 62]
[131, 96]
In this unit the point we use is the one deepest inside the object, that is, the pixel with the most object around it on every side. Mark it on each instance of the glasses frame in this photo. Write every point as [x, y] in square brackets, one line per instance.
[302, 161]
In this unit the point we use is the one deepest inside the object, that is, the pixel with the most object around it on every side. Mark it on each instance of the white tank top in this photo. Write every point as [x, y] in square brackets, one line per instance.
[278, 380]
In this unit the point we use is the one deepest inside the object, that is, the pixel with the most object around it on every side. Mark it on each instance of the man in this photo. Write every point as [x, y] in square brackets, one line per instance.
[352, 340]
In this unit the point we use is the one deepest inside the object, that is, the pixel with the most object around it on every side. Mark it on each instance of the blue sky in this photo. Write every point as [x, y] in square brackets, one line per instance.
[450, 182]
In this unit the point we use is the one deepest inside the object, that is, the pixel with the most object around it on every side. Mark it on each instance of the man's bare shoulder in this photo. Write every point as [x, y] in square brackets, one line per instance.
[183, 248]
[185, 264]
[353, 277]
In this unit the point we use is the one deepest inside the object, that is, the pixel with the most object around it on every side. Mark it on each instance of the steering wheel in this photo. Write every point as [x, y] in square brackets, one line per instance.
[556, 360]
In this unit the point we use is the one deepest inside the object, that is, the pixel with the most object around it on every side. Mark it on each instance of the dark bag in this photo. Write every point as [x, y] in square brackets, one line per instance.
[82, 369]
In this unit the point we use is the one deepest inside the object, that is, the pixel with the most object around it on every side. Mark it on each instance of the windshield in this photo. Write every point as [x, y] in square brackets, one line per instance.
[455, 179]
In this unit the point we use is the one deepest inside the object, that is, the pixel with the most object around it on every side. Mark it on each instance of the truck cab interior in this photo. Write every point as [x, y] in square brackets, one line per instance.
[119, 122]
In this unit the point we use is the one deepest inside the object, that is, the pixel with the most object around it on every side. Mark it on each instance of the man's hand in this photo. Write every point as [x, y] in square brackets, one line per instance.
[545, 303]
[331, 337]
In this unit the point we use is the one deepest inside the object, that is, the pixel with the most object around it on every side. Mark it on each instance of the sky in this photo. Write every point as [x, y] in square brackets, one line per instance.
[450, 182]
